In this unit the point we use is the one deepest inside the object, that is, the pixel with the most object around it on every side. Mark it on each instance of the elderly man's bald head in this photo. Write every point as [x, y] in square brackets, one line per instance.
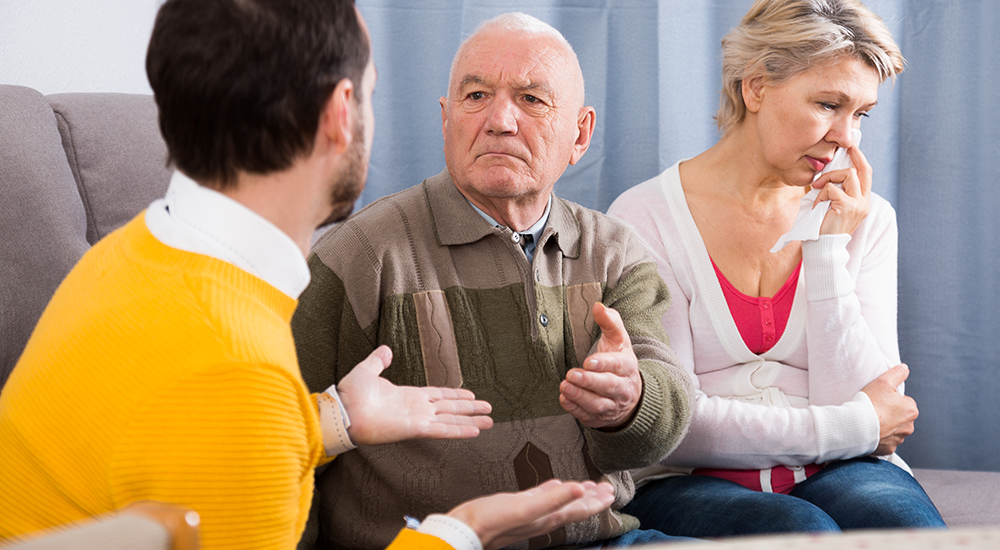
[514, 118]
[521, 23]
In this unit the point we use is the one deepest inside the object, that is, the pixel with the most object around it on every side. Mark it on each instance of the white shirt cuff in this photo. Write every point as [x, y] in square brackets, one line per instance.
[334, 422]
[457, 534]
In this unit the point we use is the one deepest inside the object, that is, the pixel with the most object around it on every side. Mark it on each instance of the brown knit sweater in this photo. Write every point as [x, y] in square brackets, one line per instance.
[460, 306]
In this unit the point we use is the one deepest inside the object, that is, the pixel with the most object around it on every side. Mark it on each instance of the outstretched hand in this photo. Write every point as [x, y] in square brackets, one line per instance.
[506, 518]
[896, 412]
[606, 391]
[381, 412]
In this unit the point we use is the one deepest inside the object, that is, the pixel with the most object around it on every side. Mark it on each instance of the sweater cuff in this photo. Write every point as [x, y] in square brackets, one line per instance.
[825, 264]
[658, 426]
[457, 534]
[846, 431]
[334, 422]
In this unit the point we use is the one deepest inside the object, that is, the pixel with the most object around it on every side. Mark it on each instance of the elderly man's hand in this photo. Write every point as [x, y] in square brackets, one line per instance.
[606, 391]
[381, 412]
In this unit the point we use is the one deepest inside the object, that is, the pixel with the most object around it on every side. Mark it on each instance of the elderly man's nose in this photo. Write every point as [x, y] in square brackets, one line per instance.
[502, 117]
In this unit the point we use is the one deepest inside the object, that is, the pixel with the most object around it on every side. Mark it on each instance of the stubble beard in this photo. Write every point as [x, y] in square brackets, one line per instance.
[349, 183]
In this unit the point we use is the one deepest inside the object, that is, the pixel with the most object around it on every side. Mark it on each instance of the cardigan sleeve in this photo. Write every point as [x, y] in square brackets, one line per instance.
[851, 313]
[235, 442]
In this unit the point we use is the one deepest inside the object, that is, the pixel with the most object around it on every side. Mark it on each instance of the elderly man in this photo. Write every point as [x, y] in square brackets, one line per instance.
[480, 278]
[164, 368]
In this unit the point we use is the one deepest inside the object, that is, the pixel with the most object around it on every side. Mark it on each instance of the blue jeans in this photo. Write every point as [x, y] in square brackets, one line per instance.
[639, 536]
[860, 493]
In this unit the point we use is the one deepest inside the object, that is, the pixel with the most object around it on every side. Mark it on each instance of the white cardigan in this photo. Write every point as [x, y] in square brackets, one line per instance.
[801, 401]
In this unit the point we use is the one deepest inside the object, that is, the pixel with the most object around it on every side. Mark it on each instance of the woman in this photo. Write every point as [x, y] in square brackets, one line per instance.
[792, 351]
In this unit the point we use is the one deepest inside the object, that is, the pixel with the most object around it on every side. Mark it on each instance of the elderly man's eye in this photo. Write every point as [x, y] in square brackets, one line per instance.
[476, 96]
[532, 99]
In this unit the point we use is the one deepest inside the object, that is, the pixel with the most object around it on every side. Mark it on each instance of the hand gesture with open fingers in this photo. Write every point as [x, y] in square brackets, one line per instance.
[606, 391]
[848, 205]
[381, 412]
[506, 518]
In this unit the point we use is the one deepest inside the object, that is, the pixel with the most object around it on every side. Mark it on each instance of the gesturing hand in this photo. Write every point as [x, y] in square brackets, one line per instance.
[896, 412]
[381, 412]
[848, 206]
[606, 391]
[506, 518]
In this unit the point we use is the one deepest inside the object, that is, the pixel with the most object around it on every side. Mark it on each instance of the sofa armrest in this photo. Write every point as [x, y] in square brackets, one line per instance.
[141, 526]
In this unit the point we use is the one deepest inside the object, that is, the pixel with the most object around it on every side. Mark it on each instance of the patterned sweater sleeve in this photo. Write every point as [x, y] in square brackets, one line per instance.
[328, 338]
[664, 412]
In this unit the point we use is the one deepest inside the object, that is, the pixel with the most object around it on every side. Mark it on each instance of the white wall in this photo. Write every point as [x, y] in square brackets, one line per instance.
[59, 46]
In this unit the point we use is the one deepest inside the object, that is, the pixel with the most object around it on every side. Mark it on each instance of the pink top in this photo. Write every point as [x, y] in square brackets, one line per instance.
[761, 322]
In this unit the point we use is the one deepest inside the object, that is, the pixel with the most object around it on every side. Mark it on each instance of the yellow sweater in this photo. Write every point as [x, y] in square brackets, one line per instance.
[158, 374]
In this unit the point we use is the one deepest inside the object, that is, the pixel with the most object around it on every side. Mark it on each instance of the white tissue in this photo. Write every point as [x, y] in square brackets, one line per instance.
[809, 219]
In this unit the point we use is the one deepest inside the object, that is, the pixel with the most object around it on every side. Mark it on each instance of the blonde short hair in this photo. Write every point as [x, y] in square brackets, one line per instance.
[779, 39]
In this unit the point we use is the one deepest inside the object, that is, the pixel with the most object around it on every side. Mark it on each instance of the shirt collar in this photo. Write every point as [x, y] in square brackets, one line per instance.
[197, 219]
[457, 222]
[535, 230]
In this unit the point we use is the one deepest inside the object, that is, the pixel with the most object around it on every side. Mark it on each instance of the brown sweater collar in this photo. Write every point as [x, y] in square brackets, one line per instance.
[455, 222]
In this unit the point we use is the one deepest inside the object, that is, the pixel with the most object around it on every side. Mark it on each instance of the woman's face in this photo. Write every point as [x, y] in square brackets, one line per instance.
[802, 122]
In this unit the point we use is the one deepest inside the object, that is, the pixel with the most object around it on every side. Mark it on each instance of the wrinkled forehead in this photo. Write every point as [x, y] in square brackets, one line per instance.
[502, 57]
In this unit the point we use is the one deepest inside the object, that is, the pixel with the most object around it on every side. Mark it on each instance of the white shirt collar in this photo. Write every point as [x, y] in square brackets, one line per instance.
[197, 219]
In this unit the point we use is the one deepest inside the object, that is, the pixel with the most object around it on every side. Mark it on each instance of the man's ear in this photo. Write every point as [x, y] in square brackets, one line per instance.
[753, 90]
[585, 123]
[444, 115]
[337, 121]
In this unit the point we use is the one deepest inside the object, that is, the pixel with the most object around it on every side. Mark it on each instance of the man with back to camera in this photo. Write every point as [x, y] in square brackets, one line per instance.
[480, 278]
[164, 367]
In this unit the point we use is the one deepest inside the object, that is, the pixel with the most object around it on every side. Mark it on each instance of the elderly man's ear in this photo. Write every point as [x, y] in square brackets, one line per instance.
[337, 122]
[444, 115]
[585, 130]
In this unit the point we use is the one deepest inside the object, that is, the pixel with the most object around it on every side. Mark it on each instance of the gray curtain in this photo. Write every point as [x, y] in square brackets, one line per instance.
[652, 73]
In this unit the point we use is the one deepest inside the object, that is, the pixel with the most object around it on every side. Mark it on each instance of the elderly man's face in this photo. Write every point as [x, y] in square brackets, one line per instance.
[513, 119]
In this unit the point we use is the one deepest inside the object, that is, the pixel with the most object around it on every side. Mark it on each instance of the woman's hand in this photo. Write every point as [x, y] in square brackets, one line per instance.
[506, 518]
[850, 205]
[896, 412]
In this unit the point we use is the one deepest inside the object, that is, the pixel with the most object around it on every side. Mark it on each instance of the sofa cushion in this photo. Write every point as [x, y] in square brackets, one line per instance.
[963, 498]
[41, 217]
[116, 153]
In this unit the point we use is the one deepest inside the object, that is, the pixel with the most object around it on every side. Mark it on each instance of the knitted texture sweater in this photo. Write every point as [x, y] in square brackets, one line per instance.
[460, 306]
[158, 374]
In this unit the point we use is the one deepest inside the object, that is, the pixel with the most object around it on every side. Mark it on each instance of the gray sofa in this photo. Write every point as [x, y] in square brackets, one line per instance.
[73, 167]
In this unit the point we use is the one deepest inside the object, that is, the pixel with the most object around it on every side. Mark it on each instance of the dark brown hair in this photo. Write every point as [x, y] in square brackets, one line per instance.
[240, 84]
